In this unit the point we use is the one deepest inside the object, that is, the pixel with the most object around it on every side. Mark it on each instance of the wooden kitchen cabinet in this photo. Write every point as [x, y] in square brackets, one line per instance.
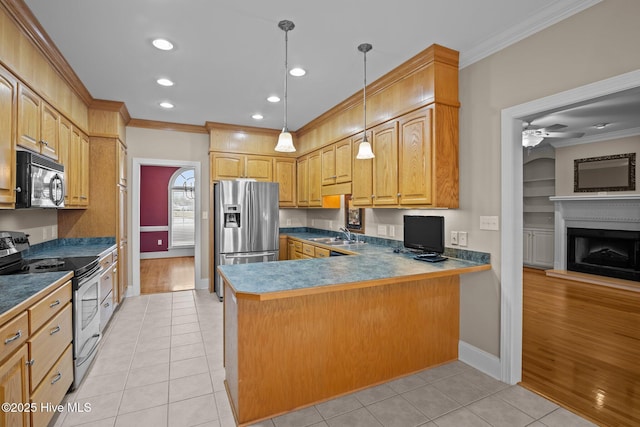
[385, 164]
[315, 179]
[64, 156]
[284, 173]
[302, 167]
[14, 387]
[336, 163]
[415, 161]
[233, 166]
[76, 168]
[37, 123]
[8, 105]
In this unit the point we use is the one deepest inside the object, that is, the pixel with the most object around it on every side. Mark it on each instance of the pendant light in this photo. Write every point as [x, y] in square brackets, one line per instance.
[285, 141]
[364, 151]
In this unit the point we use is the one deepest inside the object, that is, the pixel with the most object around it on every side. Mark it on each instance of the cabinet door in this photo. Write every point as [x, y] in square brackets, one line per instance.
[29, 105]
[122, 164]
[343, 161]
[362, 183]
[526, 247]
[291, 249]
[122, 271]
[285, 175]
[415, 185]
[7, 139]
[64, 153]
[542, 248]
[83, 167]
[259, 168]
[303, 181]
[74, 175]
[226, 166]
[315, 179]
[14, 387]
[329, 165]
[385, 164]
[49, 131]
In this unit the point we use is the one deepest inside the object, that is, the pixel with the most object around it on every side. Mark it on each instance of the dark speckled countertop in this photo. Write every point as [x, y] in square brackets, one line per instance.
[16, 289]
[371, 262]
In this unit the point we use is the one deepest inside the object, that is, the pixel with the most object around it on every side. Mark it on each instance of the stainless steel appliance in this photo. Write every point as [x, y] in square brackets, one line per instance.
[39, 181]
[246, 224]
[85, 297]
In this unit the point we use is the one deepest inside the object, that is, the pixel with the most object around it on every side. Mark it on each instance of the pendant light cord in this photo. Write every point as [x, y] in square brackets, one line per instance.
[286, 71]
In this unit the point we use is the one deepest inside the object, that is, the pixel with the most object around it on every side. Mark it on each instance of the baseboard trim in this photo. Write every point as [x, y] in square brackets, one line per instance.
[479, 359]
[171, 253]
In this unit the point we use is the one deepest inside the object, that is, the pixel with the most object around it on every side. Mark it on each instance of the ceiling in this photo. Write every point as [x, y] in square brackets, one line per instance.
[229, 55]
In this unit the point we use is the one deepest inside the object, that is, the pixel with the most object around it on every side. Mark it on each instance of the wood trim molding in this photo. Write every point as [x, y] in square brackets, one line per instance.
[115, 106]
[242, 128]
[157, 125]
[29, 25]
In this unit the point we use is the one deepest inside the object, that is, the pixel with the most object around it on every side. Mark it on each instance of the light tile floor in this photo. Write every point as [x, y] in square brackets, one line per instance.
[160, 364]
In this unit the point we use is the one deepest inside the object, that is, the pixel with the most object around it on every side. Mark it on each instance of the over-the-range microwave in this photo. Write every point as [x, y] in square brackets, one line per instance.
[39, 181]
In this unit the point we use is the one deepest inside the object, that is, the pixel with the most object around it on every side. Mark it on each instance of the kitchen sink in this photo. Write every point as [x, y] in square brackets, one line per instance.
[332, 241]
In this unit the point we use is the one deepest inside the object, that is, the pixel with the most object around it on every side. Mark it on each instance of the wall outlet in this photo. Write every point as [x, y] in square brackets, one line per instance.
[454, 237]
[205, 214]
[392, 231]
[44, 233]
[382, 230]
[288, 221]
[490, 223]
[330, 225]
[463, 238]
[159, 242]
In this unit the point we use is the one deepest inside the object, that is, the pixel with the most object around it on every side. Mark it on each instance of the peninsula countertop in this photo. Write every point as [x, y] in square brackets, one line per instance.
[372, 264]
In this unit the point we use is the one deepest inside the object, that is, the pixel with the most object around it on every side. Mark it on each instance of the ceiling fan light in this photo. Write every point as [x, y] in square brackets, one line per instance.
[365, 151]
[285, 142]
[531, 139]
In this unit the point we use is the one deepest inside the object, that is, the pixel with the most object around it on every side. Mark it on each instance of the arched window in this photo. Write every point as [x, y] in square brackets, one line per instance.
[182, 199]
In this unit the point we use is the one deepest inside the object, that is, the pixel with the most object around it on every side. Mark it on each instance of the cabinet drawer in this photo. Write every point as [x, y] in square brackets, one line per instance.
[298, 245]
[322, 252]
[106, 261]
[13, 334]
[309, 250]
[48, 343]
[53, 388]
[41, 312]
[306, 257]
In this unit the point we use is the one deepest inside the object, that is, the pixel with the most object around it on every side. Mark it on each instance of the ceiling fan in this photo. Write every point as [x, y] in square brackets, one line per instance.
[532, 135]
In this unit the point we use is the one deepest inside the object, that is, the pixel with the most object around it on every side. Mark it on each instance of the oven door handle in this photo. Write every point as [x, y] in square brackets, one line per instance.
[82, 359]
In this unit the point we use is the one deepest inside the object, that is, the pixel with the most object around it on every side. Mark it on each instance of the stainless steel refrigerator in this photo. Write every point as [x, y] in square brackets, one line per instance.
[246, 224]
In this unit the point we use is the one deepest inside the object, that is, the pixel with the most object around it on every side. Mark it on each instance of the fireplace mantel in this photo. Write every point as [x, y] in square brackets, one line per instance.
[606, 211]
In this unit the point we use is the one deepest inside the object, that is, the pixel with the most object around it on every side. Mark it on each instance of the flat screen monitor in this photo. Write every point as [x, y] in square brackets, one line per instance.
[424, 233]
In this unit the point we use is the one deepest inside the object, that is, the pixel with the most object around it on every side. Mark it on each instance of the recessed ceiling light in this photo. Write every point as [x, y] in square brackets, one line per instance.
[600, 125]
[163, 44]
[164, 82]
[257, 116]
[166, 104]
[273, 98]
[297, 72]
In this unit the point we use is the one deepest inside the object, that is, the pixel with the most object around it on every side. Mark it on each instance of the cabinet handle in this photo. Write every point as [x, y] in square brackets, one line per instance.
[106, 304]
[53, 304]
[45, 143]
[83, 197]
[13, 338]
[399, 195]
[30, 362]
[334, 176]
[373, 196]
[56, 378]
[54, 330]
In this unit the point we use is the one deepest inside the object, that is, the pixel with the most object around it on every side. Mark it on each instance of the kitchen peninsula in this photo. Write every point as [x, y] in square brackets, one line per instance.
[300, 332]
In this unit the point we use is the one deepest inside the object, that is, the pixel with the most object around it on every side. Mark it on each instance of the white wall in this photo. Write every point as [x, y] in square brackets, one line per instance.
[40, 224]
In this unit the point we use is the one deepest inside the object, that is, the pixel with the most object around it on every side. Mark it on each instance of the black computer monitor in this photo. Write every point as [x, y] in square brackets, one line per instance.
[424, 233]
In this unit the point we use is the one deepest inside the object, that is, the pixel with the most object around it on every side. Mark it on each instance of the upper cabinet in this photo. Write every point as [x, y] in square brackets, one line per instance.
[415, 159]
[284, 173]
[233, 166]
[8, 88]
[37, 123]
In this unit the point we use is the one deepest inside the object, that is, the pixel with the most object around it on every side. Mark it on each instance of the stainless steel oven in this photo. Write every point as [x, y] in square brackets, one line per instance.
[86, 306]
[39, 181]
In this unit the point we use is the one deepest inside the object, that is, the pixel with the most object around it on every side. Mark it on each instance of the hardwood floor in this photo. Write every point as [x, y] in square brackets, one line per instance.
[166, 275]
[581, 347]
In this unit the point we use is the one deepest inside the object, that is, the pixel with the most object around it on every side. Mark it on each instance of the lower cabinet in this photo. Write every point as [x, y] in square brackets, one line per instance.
[36, 361]
[537, 248]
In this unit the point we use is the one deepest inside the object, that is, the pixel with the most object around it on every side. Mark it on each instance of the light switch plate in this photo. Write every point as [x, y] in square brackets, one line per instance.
[392, 231]
[490, 223]
[205, 214]
[382, 230]
[454, 237]
[462, 238]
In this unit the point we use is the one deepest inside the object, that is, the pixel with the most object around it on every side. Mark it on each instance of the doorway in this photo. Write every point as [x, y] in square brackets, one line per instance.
[178, 263]
[512, 210]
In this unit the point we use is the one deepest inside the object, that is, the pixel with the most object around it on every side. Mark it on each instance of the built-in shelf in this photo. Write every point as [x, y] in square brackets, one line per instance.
[538, 186]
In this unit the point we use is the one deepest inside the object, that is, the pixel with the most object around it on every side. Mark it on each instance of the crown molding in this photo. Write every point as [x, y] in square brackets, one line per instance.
[115, 106]
[242, 128]
[532, 24]
[31, 28]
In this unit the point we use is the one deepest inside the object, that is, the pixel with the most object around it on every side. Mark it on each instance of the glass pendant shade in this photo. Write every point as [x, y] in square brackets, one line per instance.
[365, 151]
[285, 142]
[530, 138]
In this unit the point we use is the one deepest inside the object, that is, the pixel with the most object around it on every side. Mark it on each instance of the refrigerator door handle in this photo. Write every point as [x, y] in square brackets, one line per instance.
[251, 255]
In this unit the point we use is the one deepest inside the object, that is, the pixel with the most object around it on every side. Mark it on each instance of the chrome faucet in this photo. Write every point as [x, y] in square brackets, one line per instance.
[346, 232]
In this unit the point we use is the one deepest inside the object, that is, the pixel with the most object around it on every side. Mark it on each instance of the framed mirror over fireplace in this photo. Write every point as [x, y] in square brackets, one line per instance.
[615, 172]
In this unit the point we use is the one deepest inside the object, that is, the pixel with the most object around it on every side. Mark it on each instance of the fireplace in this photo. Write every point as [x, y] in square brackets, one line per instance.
[612, 253]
